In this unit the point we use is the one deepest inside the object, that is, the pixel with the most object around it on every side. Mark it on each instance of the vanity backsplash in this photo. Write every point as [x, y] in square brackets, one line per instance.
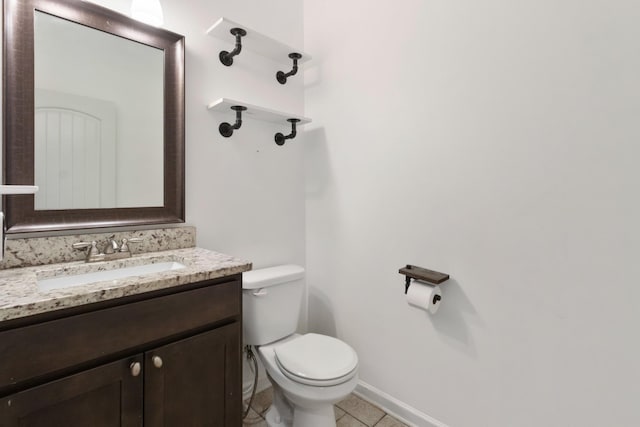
[26, 252]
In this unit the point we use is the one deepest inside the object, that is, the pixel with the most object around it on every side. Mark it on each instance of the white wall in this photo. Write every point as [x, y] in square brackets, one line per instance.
[496, 141]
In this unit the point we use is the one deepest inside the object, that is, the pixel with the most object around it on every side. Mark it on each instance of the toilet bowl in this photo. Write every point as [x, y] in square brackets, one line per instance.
[309, 373]
[310, 393]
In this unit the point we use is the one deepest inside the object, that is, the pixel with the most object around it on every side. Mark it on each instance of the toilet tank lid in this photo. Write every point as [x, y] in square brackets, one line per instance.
[264, 277]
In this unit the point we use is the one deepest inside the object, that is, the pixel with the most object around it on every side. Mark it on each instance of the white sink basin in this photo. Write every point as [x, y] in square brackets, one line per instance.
[59, 282]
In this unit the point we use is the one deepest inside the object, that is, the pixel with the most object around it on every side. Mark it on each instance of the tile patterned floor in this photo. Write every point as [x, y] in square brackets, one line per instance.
[350, 412]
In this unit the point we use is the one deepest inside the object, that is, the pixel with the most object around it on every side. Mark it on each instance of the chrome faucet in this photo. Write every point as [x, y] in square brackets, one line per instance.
[111, 249]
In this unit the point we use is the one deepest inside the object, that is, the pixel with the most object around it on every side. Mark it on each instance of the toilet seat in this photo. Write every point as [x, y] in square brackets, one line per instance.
[317, 360]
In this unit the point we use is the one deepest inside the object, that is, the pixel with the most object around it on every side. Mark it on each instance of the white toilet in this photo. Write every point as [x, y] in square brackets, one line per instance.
[310, 372]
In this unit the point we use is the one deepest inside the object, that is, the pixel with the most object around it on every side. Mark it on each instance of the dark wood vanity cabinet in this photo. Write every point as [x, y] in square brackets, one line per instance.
[159, 359]
[107, 395]
[192, 385]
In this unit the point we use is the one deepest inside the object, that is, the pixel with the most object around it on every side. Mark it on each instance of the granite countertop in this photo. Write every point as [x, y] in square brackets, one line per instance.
[20, 296]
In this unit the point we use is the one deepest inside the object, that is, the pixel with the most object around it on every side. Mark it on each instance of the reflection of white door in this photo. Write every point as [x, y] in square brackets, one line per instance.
[75, 151]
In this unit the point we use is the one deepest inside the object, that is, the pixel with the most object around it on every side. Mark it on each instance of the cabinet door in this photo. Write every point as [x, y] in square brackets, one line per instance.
[196, 381]
[107, 396]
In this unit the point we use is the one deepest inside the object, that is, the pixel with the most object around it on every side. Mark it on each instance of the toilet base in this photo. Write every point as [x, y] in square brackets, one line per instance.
[283, 414]
[280, 413]
[302, 419]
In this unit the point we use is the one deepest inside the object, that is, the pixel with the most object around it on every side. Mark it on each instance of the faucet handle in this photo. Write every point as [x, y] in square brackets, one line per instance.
[81, 245]
[93, 247]
[125, 247]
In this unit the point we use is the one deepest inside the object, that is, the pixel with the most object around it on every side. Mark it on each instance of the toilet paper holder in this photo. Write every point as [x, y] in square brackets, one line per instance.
[419, 273]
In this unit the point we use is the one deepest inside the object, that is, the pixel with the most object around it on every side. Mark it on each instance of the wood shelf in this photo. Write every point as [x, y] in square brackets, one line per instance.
[255, 42]
[419, 273]
[224, 105]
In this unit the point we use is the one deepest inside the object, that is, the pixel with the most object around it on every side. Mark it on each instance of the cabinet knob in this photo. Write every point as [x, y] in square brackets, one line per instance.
[135, 369]
[157, 361]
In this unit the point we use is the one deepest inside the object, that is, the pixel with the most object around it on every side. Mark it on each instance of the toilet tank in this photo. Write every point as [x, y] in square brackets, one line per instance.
[271, 302]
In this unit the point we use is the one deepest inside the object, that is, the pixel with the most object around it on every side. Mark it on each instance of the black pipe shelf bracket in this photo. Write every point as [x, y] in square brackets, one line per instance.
[227, 57]
[281, 139]
[227, 129]
[255, 42]
[256, 112]
[281, 76]
[422, 274]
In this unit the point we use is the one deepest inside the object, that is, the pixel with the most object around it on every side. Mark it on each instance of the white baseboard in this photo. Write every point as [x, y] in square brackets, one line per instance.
[395, 408]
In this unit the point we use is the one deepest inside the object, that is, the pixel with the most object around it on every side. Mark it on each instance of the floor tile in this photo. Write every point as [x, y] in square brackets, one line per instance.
[389, 421]
[350, 412]
[339, 412]
[262, 401]
[254, 420]
[348, 421]
[361, 409]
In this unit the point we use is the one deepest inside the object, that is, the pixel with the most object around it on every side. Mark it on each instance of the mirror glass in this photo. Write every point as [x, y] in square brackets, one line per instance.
[98, 137]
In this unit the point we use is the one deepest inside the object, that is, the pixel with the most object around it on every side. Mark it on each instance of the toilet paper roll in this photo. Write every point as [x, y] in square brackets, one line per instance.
[424, 296]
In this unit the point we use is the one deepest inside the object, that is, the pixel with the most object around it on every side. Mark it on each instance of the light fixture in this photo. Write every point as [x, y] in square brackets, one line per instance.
[147, 11]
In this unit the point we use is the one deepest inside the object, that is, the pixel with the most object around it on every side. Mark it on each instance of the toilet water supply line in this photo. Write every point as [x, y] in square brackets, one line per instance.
[251, 356]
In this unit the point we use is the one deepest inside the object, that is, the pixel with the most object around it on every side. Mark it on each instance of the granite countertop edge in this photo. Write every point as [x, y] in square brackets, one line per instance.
[21, 297]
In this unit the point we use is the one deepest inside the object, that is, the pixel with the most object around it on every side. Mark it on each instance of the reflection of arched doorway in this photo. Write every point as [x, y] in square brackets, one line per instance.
[75, 151]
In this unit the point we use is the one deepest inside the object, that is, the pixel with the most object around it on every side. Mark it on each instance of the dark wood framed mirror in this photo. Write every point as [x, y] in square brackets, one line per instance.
[21, 127]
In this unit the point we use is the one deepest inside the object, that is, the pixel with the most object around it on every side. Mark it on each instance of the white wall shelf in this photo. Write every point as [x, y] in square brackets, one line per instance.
[256, 112]
[18, 189]
[256, 42]
[242, 111]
